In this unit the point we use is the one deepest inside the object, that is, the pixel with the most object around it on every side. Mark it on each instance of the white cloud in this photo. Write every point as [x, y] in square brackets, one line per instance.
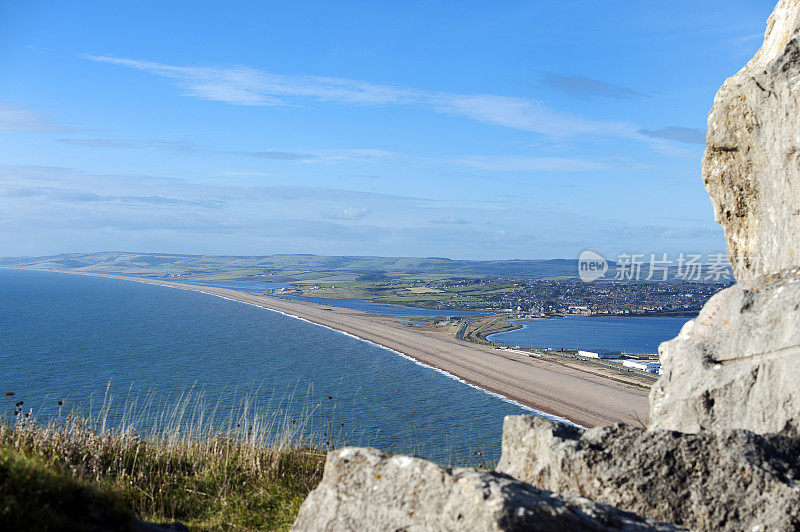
[249, 86]
[240, 85]
[528, 115]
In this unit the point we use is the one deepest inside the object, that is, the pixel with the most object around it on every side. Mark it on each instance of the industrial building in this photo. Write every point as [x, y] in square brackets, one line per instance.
[600, 353]
[644, 365]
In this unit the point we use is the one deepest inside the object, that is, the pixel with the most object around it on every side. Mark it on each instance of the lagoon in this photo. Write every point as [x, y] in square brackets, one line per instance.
[630, 334]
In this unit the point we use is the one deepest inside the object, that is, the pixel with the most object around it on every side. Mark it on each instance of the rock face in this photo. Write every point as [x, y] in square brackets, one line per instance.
[751, 166]
[737, 365]
[731, 480]
[368, 489]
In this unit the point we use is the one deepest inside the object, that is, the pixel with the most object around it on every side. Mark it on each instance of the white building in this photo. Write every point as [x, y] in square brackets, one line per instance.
[644, 365]
[600, 353]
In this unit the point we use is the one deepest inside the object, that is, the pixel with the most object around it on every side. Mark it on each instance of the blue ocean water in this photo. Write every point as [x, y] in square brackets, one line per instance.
[630, 334]
[65, 337]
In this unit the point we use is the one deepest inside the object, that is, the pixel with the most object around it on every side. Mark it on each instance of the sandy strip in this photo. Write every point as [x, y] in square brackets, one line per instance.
[581, 397]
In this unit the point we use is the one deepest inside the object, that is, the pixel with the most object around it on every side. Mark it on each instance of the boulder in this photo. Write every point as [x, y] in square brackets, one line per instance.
[737, 365]
[367, 489]
[729, 480]
[751, 167]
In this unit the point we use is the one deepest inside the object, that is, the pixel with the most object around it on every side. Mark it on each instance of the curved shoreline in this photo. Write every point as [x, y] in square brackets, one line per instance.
[556, 391]
[398, 353]
[193, 288]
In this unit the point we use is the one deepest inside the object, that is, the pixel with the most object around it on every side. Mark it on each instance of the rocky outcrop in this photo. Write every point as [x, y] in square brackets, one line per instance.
[751, 167]
[368, 489]
[731, 480]
[737, 365]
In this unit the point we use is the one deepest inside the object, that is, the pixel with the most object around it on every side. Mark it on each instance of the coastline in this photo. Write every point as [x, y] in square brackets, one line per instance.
[398, 353]
[550, 389]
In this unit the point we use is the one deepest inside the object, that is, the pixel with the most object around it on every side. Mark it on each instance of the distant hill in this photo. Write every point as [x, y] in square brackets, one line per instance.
[161, 264]
[286, 268]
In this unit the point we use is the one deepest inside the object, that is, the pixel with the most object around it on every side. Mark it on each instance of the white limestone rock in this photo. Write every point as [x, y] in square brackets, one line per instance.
[727, 480]
[367, 489]
[737, 365]
[751, 167]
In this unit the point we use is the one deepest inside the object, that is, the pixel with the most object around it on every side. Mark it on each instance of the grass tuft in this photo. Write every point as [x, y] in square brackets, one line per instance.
[82, 472]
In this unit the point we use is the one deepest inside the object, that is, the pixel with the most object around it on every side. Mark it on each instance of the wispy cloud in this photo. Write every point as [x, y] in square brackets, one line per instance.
[679, 134]
[321, 156]
[583, 87]
[51, 209]
[175, 146]
[14, 118]
[326, 156]
[746, 45]
[537, 164]
[276, 155]
[99, 143]
[351, 213]
[657, 232]
[82, 196]
[450, 220]
[38, 181]
[241, 85]
[334, 156]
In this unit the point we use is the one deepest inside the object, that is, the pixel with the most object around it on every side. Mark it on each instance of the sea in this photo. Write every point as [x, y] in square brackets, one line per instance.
[629, 334]
[88, 340]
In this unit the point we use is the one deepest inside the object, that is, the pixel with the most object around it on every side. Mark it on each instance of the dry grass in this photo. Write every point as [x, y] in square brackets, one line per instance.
[251, 472]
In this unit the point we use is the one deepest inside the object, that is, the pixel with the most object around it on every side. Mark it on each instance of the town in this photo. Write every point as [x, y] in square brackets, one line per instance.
[527, 298]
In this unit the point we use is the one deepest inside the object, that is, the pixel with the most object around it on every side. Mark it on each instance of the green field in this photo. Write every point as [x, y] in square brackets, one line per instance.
[432, 293]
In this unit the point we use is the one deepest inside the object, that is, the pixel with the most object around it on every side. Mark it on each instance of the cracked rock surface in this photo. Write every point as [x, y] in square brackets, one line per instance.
[751, 167]
[737, 365]
[730, 480]
[367, 489]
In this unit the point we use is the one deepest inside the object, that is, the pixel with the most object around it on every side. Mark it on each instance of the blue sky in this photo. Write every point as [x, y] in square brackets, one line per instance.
[467, 129]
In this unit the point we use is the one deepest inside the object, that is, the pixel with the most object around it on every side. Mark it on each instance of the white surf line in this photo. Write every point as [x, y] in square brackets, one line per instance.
[540, 413]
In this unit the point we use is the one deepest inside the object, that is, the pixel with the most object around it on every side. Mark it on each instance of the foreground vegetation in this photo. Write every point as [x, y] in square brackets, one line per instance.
[77, 474]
